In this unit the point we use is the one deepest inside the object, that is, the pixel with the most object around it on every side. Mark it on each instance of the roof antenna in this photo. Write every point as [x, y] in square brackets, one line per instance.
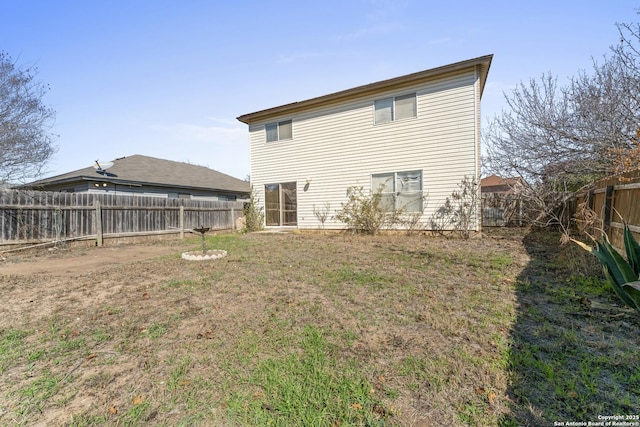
[102, 167]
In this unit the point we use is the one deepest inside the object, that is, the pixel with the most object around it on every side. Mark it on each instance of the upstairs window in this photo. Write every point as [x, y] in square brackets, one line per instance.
[278, 131]
[395, 108]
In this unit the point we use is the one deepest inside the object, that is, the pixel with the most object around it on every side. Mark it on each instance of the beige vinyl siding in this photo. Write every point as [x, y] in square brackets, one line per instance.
[340, 146]
[478, 91]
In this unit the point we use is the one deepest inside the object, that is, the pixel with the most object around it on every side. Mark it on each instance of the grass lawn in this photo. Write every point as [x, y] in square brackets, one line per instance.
[321, 330]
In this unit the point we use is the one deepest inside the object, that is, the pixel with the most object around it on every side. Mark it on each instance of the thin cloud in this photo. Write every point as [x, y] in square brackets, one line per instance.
[288, 59]
[440, 41]
[196, 133]
[223, 148]
[382, 8]
[375, 30]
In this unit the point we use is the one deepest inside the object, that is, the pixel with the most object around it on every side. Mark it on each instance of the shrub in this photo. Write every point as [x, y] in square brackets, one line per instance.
[412, 222]
[623, 275]
[459, 211]
[322, 214]
[365, 213]
[253, 214]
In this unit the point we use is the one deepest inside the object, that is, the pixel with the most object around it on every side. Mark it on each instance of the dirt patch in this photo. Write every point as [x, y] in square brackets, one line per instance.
[63, 262]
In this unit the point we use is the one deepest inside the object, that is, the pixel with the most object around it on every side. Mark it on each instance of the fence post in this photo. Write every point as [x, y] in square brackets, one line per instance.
[181, 220]
[520, 213]
[608, 202]
[233, 219]
[99, 240]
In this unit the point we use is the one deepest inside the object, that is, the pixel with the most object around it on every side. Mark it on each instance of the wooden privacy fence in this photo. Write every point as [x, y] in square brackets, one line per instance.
[613, 200]
[37, 216]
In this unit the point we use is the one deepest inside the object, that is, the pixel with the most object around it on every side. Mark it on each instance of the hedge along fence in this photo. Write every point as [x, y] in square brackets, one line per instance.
[38, 216]
[613, 200]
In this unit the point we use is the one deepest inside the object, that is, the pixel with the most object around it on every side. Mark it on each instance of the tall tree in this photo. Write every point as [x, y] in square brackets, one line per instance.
[627, 157]
[573, 132]
[26, 142]
[559, 138]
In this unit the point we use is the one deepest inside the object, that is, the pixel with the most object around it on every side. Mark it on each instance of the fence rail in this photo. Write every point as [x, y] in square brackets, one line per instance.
[615, 201]
[37, 216]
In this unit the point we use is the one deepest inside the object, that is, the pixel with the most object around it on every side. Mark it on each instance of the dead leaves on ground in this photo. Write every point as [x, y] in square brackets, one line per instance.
[135, 400]
[490, 395]
[208, 334]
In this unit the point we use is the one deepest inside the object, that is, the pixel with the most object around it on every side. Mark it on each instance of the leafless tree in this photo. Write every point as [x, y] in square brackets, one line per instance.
[26, 142]
[459, 212]
[322, 214]
[559, 138]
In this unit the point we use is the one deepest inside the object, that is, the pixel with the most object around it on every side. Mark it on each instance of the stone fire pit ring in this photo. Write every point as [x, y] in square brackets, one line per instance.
[204, 256]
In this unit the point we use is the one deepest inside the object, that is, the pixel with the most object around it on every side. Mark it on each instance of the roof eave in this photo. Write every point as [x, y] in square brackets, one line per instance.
[483, 62]
[67, 180]
[116, 181]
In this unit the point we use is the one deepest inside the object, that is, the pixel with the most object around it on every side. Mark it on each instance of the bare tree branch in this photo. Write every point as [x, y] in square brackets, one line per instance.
[25, 141]
[559, 138]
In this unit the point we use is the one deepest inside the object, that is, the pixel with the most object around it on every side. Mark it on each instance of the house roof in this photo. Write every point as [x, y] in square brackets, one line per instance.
[144, 170]
[484, 62]
[497, 184]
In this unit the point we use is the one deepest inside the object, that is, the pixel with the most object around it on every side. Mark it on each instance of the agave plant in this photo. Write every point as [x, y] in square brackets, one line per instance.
[623, 275]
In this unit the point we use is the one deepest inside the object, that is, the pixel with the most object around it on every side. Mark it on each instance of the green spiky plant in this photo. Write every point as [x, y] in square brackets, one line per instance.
[623, 275]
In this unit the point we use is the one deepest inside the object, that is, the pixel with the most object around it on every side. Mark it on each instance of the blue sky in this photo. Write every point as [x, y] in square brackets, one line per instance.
[168, 78]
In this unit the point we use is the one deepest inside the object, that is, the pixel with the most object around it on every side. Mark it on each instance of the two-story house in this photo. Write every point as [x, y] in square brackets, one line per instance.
[415, 137]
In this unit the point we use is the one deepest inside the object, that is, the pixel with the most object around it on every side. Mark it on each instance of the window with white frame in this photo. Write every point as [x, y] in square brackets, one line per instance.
[278, 131]
[395, 108]
[400, 190]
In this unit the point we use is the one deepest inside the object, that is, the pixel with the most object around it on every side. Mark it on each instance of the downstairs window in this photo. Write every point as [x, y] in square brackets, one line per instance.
[400, 190]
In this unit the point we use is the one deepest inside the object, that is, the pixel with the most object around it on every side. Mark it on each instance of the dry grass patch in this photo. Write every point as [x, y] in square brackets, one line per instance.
[287, 329]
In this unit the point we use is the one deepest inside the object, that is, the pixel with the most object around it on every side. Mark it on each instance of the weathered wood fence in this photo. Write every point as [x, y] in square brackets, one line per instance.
[37, 216]
[501, 210]
[613, 200]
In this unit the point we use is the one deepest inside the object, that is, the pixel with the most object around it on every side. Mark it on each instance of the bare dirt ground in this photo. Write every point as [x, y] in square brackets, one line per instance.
[62, 262]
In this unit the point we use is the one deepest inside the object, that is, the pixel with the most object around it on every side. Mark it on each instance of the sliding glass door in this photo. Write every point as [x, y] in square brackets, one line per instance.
[281, 204]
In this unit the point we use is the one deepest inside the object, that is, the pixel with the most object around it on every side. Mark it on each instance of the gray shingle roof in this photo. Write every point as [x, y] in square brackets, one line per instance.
[152, 171]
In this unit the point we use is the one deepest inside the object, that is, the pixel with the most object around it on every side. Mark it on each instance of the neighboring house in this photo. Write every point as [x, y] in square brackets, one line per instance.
[416, 136]
[495, 184]
[501, 205]
[148, 176]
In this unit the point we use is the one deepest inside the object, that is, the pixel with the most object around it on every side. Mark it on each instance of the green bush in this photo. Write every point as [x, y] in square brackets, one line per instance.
[253, 214]
[367, 213]
[361, 212]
